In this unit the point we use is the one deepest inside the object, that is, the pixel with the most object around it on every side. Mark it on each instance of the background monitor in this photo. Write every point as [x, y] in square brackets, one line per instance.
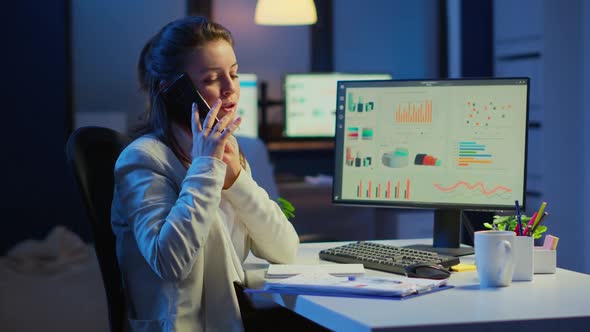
[447, 145]
[309, 102]
[248, 105]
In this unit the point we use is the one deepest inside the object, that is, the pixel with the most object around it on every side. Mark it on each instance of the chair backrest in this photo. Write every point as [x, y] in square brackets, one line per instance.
[92, 153]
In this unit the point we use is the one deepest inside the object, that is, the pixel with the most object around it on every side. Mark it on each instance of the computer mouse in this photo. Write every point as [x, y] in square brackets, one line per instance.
[427, 271]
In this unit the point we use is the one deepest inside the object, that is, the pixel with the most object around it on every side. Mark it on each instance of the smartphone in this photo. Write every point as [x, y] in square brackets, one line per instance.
[179, 97]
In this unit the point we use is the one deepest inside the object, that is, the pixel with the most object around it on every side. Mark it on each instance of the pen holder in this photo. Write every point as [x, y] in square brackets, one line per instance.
[544, 260]
[523, 258]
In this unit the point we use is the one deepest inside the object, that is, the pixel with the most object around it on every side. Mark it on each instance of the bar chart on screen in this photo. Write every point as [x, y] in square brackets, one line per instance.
[414, 112]
[388, 189]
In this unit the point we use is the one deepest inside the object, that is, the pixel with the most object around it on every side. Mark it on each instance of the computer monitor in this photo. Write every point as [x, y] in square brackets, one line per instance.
[448, 145]
[248, 105]
[309, 102]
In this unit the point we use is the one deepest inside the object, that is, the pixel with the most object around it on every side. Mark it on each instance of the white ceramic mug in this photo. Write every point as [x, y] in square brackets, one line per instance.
[494, 257]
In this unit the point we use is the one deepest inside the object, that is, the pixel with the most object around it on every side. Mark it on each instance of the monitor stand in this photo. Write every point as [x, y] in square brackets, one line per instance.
[446, 238]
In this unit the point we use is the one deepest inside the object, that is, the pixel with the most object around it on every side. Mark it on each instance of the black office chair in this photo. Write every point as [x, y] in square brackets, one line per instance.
[92, 153]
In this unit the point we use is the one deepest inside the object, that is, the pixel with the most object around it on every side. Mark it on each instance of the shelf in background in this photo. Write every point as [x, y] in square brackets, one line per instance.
[300, 145]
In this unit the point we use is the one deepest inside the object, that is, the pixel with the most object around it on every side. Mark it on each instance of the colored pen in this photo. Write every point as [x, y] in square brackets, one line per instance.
[518, 228]
[540, 213]
[529, 226]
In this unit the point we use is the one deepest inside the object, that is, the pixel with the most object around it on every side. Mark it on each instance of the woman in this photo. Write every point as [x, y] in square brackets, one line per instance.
[186, 211]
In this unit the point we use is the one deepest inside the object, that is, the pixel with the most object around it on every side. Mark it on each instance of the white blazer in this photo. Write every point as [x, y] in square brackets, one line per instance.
[182, 239]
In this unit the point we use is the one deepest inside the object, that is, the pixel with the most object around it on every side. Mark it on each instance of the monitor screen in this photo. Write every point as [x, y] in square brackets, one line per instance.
[248, 105]
[447, 145]
[309, 102]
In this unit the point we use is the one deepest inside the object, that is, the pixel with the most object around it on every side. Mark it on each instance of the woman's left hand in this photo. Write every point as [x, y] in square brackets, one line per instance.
[217, 140]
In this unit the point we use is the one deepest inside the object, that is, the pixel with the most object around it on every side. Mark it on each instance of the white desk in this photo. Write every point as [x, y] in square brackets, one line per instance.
[551, 302]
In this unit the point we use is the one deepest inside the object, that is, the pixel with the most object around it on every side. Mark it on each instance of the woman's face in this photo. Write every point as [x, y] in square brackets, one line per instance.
[213, 70]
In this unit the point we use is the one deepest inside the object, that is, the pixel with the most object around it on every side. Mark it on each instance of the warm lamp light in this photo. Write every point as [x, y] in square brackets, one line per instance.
[285, 12]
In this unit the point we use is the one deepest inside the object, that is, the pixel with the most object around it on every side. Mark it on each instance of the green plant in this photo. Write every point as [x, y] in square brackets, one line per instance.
[287, 208]
[508, 223]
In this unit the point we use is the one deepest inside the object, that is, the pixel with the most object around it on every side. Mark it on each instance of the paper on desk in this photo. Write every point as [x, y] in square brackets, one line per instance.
[393, 285]
[289, 270]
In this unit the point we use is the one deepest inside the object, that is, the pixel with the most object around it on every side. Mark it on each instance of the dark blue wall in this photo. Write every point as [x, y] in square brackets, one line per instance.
[477, 33]
[38, 190]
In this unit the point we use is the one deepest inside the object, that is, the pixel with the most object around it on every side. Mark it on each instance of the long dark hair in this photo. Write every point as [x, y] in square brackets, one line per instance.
[162, 59]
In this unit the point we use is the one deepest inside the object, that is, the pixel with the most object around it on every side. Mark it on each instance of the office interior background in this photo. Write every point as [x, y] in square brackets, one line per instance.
[71, 63]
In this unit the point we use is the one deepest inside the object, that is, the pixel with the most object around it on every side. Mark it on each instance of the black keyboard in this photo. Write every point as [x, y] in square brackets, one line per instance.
[384, 257]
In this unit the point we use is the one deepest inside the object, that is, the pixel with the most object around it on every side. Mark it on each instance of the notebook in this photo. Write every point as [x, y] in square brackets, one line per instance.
[324, 283]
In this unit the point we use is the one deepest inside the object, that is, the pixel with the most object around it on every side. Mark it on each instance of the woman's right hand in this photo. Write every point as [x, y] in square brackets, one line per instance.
[208, 139]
